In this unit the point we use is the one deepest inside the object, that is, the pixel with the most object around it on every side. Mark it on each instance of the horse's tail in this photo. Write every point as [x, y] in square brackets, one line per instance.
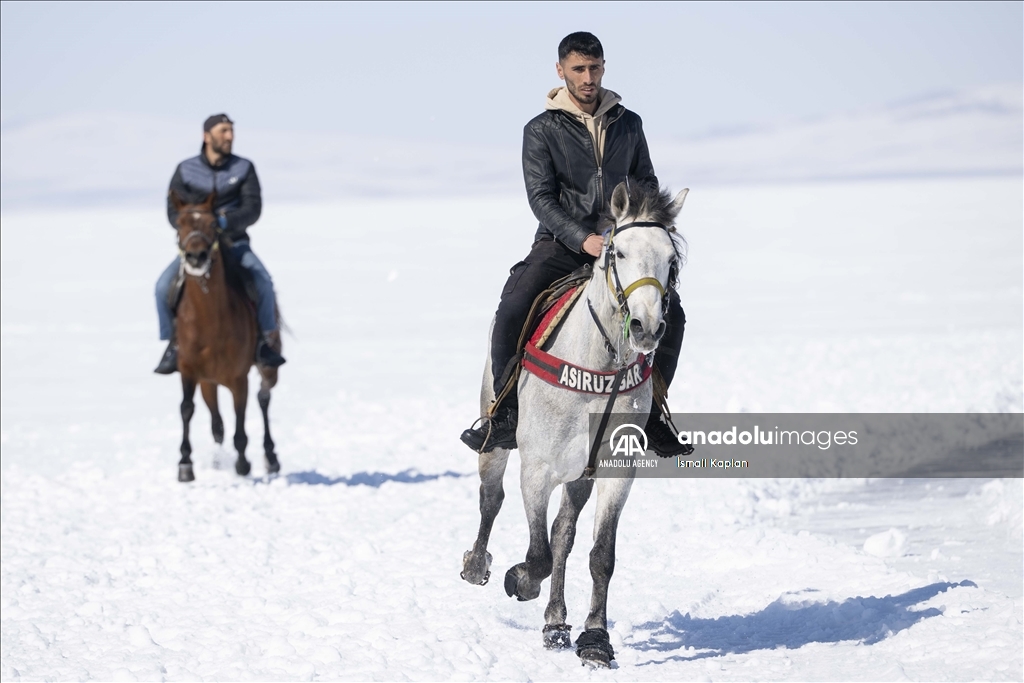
[281, 324]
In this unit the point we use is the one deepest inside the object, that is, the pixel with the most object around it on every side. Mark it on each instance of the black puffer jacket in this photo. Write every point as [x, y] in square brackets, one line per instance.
[566, 189]
[237, 186]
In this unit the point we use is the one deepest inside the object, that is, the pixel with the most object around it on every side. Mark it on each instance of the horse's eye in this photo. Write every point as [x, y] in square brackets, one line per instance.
[619, 254]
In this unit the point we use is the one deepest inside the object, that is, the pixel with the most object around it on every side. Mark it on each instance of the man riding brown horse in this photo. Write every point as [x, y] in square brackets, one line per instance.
[237, 206]
[574, 154]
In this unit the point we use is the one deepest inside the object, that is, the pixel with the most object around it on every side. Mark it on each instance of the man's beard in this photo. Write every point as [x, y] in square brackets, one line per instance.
[580, 97]
[223, 148]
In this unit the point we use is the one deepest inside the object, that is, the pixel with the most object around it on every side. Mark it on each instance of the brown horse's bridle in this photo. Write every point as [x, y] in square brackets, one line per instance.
[213, 245]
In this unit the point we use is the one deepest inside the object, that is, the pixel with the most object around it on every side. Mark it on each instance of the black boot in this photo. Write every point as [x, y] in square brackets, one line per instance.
[265, 353]
[662, 440]
[169, 361]
[496, 432]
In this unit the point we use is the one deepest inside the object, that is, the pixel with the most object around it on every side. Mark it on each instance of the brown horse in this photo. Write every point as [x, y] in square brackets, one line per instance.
[217, 335]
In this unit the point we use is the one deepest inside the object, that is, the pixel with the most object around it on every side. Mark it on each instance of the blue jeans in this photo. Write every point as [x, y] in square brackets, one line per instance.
[239, 253]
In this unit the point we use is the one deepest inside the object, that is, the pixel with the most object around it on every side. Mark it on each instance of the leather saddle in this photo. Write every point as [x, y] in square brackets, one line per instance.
[541, 305]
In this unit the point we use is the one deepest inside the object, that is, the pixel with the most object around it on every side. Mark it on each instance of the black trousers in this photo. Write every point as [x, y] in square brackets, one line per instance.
[548, 261]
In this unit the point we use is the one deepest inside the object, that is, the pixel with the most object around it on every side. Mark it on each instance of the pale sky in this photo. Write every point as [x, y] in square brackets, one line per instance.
[478, 72]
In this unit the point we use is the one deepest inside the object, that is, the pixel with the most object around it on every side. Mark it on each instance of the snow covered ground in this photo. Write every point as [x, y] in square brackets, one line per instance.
[861, 297]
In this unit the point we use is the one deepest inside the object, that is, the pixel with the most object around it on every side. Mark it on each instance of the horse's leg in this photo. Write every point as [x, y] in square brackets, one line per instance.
[273, 466]
[188, 407]
[563, 533]
[593, 645]
[209, 390]
[476, 563]
[523, 580]
[240, 392]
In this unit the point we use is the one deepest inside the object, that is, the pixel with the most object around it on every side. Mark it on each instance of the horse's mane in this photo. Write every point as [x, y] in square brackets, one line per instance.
[651, 202]
[234, 273]
[241, 281]
[655, 205]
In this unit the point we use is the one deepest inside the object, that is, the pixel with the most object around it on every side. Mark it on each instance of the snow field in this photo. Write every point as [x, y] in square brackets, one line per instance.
[346, 566]
[243, 579]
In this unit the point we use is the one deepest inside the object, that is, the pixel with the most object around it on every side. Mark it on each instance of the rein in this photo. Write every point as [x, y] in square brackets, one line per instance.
[621, 295]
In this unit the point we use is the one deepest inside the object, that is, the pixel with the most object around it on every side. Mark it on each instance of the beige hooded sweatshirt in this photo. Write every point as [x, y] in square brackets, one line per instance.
[596, 124]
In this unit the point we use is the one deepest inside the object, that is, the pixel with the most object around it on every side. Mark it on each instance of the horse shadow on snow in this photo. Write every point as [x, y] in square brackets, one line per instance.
[789, 624]
[372, 479]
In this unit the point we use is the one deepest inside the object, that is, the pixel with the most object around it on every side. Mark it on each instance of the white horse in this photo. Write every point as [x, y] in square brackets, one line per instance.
[620, 314]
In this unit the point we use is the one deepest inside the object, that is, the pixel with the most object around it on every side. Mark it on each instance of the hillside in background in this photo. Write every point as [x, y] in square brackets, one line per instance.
[111, 158]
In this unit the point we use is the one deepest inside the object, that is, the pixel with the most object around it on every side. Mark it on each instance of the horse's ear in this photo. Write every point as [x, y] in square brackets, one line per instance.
[620, 202]
[677, 203]
[176, 201]
[207, 204]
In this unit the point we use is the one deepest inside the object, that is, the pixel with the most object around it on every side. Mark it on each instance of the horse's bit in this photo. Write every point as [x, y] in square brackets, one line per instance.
[200, 274]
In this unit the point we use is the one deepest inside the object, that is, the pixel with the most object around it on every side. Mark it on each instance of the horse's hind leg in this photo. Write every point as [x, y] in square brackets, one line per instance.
[593, 645]
[188, 407]
[476, 563]
[523, 580]
[563, 533]
[273, 466]
[209, 390]
[240, 392]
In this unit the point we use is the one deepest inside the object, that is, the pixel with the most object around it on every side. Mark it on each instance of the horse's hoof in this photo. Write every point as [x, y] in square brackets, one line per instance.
[557, 636]
[273, 466]
[476, 575]
[242, 467]
[594, 648]
[185, 473]
[481, 582]
[517, 584]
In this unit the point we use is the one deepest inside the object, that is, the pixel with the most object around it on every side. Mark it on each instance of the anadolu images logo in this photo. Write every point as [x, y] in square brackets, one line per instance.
[628, 443]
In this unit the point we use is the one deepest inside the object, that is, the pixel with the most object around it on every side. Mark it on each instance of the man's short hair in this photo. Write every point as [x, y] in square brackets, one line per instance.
[581, 42]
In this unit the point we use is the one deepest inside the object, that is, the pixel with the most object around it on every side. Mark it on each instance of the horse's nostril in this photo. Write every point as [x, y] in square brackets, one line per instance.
[636, 327]
[661, 331]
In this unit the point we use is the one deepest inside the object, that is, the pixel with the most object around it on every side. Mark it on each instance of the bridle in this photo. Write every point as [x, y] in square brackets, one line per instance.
[201, 274]
[622, 294]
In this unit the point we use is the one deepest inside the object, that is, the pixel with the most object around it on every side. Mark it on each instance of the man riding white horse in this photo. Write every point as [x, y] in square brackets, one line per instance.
[237, 205]
[574, 154]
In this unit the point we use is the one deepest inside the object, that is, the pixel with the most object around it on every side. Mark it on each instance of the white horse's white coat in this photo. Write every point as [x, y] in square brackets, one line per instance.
[553, 431]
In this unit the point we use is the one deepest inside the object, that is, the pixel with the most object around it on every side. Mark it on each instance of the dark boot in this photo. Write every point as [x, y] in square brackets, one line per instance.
[496, 432]
[266, 355]
[662, 440]
[169, 361]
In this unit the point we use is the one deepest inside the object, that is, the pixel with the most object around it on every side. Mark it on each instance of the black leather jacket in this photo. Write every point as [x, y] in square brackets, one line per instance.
[566, 189]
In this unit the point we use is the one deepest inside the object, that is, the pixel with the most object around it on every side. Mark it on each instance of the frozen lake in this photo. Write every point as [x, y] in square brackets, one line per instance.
[844, 297]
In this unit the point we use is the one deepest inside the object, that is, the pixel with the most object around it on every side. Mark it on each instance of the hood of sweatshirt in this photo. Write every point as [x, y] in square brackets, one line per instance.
[558, 98]
[596, 123]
